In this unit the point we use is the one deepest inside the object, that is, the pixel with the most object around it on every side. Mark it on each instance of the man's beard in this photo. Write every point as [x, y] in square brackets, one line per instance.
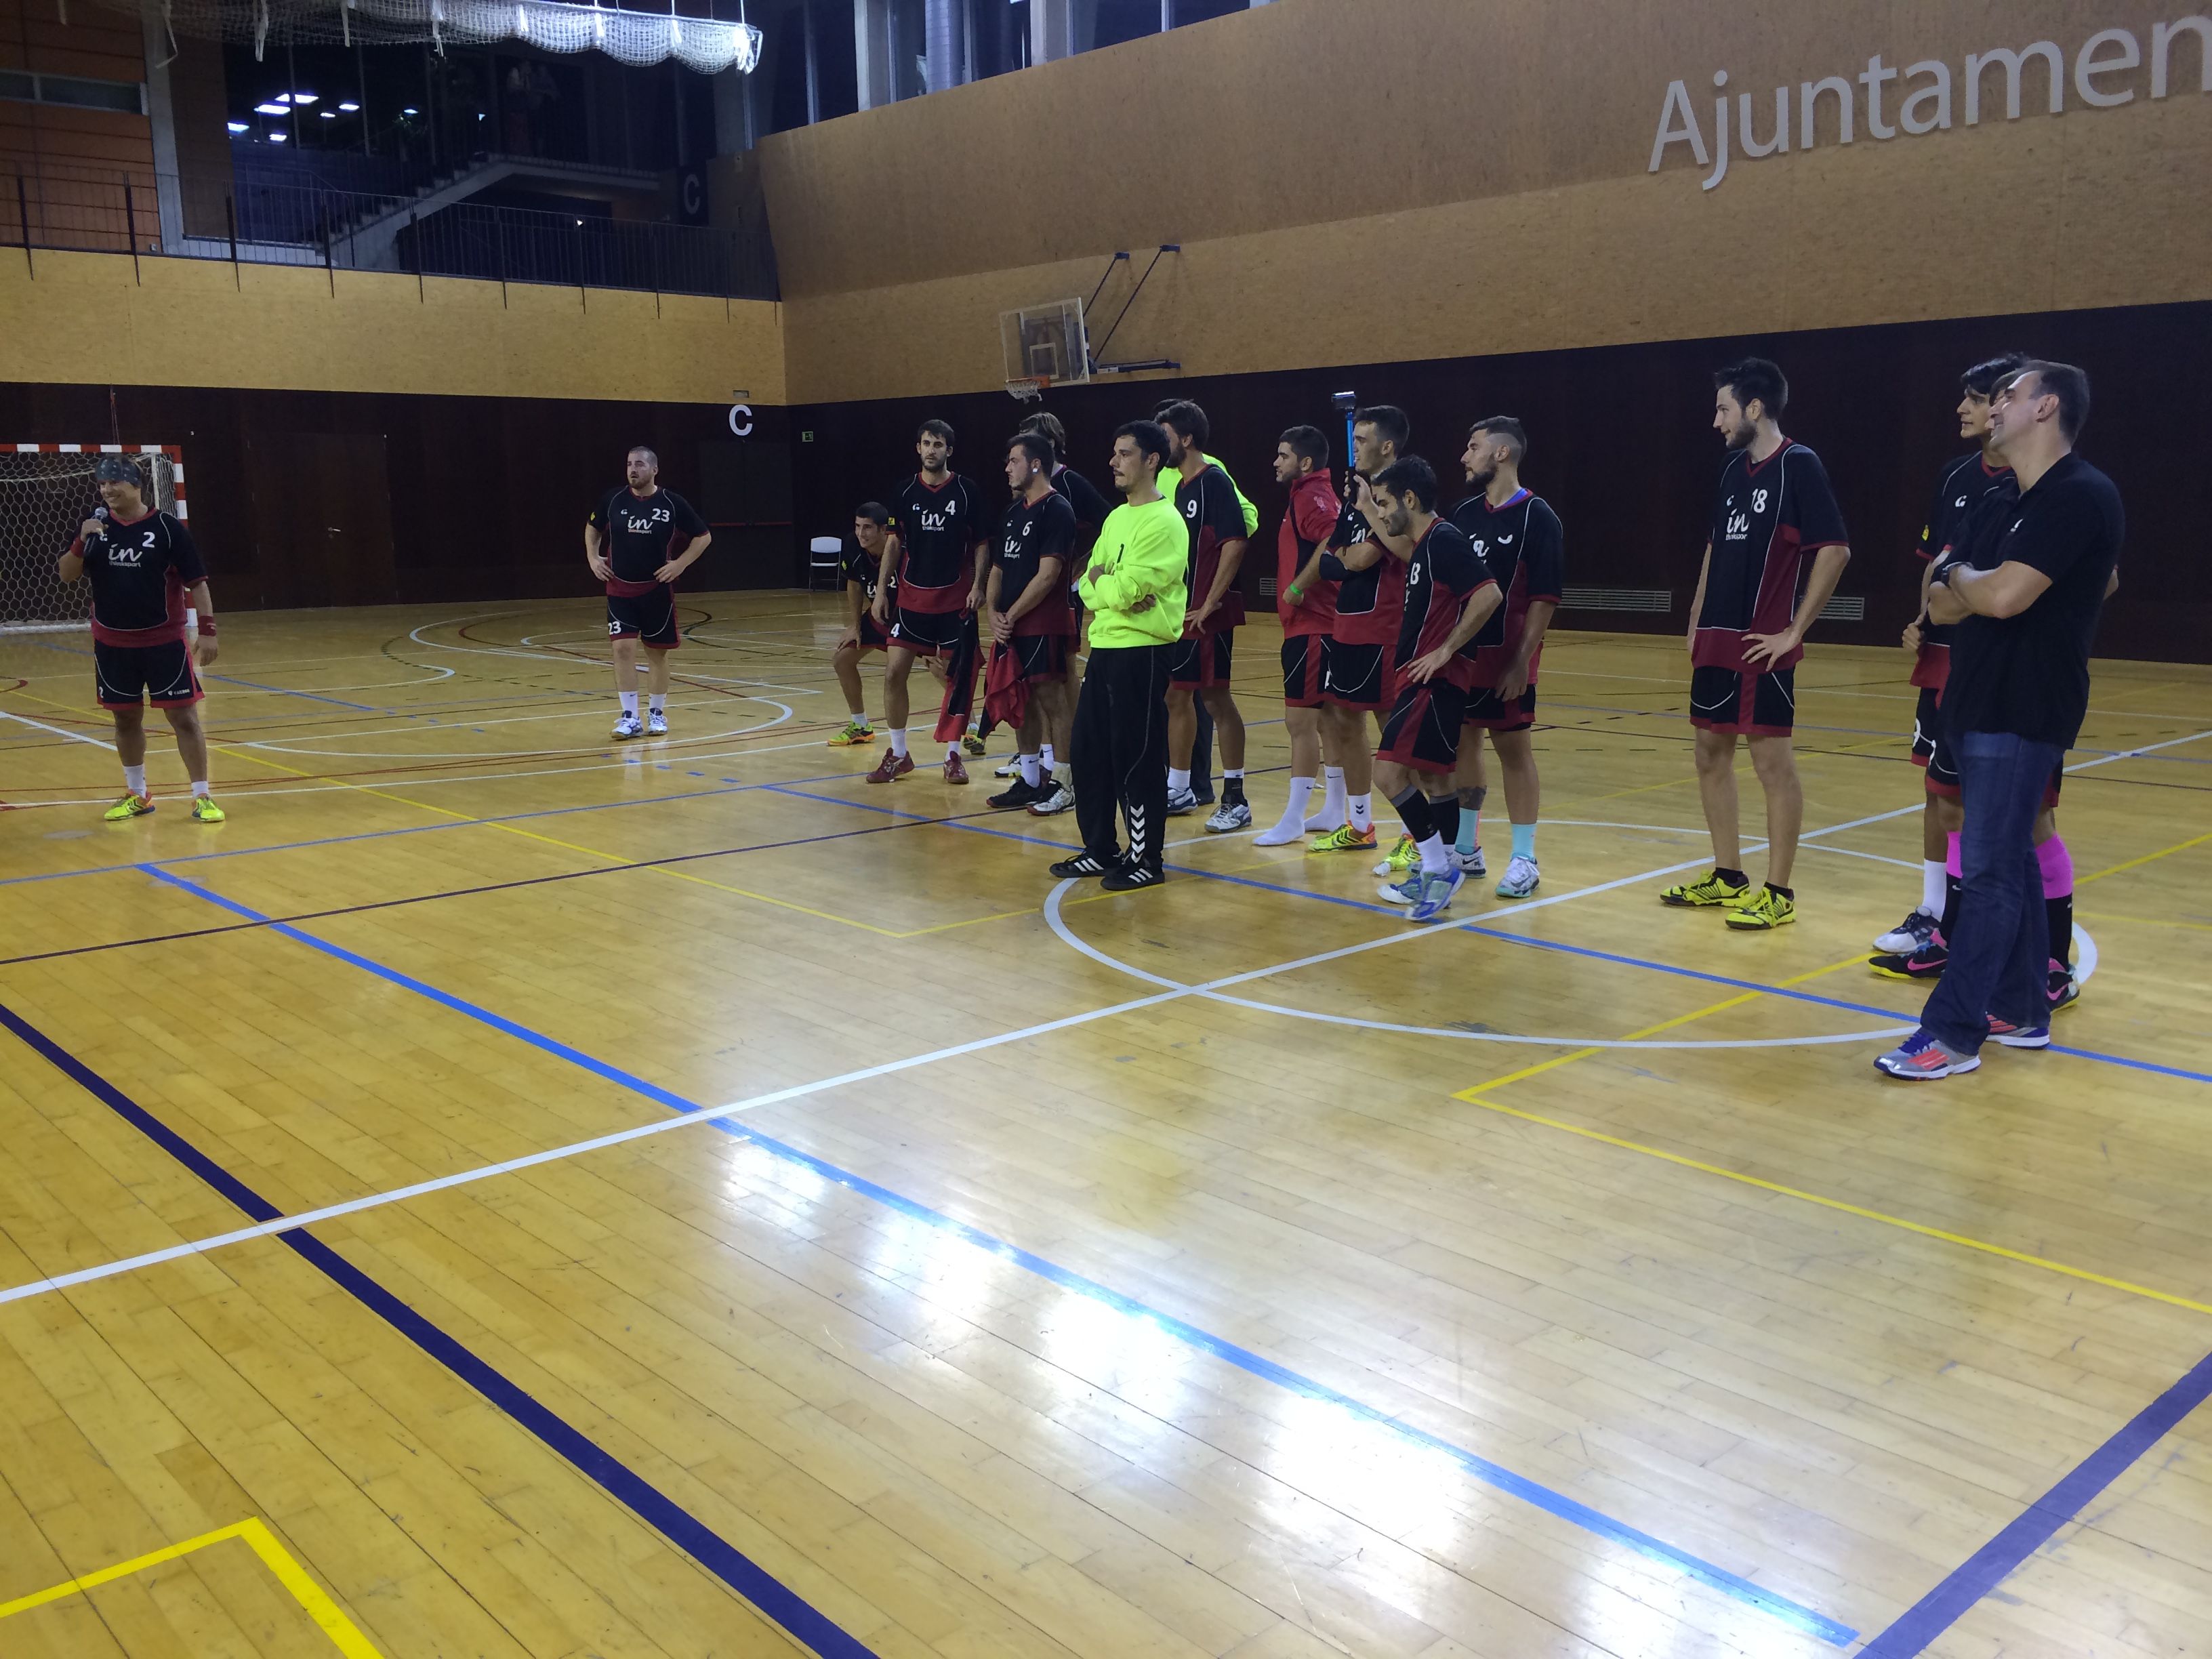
[1740, 436]
[1482, 480]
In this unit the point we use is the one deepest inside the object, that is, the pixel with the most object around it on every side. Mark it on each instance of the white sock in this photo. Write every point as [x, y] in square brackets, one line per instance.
[1049, 763]
[133, 778]
[976, 724]
[1300, 792]
[1178, 779]
[899, 742]
[1363, 811]
[1236, 773]
[857, 716]
[952, 751]
[630, 703]
[1331, 815]
[657, 701]
[1032, 774]
[1433, 861]
[199, 787]
[1933, 886]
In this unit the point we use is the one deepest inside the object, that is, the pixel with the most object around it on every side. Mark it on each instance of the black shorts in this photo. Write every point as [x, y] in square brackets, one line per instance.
[1743, 703]
[1305, 670]
[928, 633]
[1486, 709]
[1424, 728]
[871, 637]
[1358, 676]
[649, 618]
[1928, 749]
[132, 676]
[1040, 656]
[1196, 664]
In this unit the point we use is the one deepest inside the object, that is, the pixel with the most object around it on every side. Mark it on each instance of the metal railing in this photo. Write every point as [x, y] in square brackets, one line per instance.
[252, 221]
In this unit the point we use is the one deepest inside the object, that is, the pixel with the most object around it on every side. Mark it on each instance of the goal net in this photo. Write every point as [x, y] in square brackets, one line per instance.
[46, 490]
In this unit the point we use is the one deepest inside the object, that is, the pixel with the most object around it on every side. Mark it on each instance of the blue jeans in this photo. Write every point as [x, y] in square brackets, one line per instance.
[2002, 948]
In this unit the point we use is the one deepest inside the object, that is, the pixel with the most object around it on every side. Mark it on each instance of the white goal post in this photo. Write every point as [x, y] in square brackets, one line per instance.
[46, 490]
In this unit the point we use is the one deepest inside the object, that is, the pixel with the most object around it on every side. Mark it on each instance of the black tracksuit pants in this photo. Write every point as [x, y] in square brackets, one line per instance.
[1121, 756]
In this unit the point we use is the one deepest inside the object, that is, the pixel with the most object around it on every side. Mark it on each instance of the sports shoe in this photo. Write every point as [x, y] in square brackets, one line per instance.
[1407, 891]
[205, 810]
[1230, 815]
[130, 806]
[1925, 963]
[1021, 794]
[1080, 865]
[855, 733]
[2063, 988]
[1436, 893]
[892, 765]
[1763, 911]
[1711, 891]
[1013, 768]
[1344, 839]
[2019, 1037]
[656, 724]
[1403, 855]
[1468, 863]
[974, 744]
[955, 770]
[1520, 878]
[1061, 800]
[1130, 877]
[628, 727]
[1908, 935]
[1181, 801]
[1925, 1055]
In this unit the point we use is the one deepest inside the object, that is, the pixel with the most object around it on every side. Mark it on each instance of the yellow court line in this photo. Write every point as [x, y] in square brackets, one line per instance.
[2144, 921]
[2147, 857]
[288, 1572]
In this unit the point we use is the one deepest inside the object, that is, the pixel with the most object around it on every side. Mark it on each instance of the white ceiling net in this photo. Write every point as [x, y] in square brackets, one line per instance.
[631, 37]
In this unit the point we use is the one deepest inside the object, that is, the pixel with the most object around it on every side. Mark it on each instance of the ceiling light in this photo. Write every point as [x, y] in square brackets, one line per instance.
[410, 112]
[349, 108]
[271, 109]
[330, 115]
[237, 126]
[277, 137]
[303, 97]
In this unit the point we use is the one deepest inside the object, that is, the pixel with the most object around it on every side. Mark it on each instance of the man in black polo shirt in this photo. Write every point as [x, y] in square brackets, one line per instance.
[638, 540]
[2026, 600]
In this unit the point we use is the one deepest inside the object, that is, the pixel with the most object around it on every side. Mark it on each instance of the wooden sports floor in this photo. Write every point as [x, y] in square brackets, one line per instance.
[504, 1194]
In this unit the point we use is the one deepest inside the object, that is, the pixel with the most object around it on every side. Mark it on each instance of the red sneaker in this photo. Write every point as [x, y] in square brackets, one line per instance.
[891, 766]
[955, 770]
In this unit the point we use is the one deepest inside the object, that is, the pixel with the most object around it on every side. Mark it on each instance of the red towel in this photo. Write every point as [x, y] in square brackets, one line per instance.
[1005, 693]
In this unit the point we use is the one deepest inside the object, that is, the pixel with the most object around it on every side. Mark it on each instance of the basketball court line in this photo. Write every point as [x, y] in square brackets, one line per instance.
[737, 1571]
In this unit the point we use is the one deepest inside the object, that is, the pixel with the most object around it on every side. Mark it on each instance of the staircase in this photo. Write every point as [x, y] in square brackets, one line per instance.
[372, 238]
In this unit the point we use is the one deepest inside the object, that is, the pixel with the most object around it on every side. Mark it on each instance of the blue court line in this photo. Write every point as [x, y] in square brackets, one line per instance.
[651, 1505]
[1491, 1474]
[1988, 1566]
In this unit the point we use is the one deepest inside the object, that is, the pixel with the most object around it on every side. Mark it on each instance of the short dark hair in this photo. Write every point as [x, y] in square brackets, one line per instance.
[2069, 385]
[642, 449]
[1035, 445]
[874, 511]
[1755, 379]
[934, 429]
[1148, 437]
[1409, 474]
[1307, 443]
[1505, 427]
[1188, 420]
[1985, 378]
[1164, 405]
[1046, 422]
[1389, 422]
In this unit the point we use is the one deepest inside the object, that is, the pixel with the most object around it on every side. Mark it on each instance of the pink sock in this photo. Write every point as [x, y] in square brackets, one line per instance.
[1951, 864]
[2057, 866]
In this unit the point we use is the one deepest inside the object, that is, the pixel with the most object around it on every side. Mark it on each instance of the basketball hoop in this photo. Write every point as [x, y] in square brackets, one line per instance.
[1029, 389]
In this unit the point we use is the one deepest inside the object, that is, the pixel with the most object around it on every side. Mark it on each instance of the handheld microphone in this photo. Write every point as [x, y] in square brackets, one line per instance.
[100, 512]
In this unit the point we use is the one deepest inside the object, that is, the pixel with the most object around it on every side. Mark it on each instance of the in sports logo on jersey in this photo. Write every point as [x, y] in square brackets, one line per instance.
[937, 521]
[123, 554]
[1739, 524]
[643, 526]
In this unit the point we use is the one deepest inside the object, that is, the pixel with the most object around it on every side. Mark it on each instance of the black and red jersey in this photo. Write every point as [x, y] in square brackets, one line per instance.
[643, 533]
[1959, 490]
[1769, 516]
[1521, 545]
[866, 569]
[140, 570]
[939, 526]
[1212, 516]
[1033, 532]
[1307, 522]
[1368, 602]
[1443, 571]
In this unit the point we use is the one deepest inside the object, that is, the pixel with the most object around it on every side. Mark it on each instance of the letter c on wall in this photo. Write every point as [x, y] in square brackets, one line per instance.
[741, 420]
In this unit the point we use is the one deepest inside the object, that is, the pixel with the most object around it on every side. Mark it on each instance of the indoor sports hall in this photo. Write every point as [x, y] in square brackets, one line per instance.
[543, 1141]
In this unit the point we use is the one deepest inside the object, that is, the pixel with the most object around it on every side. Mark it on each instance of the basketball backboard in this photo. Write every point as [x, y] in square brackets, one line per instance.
[1047, 342]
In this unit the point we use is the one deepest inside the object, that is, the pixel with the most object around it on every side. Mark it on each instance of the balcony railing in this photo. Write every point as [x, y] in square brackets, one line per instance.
[254, 221]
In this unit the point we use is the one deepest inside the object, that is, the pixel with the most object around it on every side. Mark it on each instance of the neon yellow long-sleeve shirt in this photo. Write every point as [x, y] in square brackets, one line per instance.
[1141, 553]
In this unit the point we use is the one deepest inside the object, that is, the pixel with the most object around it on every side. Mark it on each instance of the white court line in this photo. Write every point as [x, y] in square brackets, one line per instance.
[59, 731]
[595, 711]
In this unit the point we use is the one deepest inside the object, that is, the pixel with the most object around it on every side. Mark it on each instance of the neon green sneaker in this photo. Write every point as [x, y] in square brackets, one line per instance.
[855, 733]
[1399, 859]
[1764, 910]
[130, 806]
[205, 810]
[1713, 889]
[974, 744]
[1344, 839]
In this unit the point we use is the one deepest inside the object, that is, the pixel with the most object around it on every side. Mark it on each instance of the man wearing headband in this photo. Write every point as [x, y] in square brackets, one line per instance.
[144, 572]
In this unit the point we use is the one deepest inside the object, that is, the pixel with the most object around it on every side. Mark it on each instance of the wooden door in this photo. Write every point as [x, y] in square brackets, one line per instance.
[321, 517]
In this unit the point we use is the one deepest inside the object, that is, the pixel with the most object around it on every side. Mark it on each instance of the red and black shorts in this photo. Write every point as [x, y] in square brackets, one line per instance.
[1305, 670]
[1745, 704]
[1041, 656]
[1486, 709]
[1931, 749]
[870, 637]
[1202, 662]
[132, 676]
[929, 632]
[649, 618]
[1359, 676]
[1423, 731]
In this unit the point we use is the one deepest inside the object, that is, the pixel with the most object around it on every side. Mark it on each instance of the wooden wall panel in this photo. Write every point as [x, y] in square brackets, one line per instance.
[97, 44]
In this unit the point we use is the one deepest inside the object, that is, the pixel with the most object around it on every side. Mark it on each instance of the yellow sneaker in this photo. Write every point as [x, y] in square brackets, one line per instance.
[1763, 909]
[1713, 889]
[130, 806]
[205, 810]
[1401, 857]
[1344, 839]
[974, 744]
[855, 733]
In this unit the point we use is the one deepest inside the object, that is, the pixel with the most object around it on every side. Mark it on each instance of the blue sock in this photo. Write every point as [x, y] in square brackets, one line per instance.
[1524, 841]
[1470, 827]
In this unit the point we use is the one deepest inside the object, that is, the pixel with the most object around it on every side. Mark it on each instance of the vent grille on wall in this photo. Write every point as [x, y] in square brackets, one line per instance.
[1659, 600]
[1839, 609]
